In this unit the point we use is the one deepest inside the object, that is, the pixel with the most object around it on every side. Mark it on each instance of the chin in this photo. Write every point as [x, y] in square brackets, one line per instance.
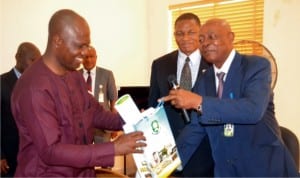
[208, 57]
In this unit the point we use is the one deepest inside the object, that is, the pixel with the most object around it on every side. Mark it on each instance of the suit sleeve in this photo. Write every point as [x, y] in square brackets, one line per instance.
[189, 139]
[112, 89]
[154, 88]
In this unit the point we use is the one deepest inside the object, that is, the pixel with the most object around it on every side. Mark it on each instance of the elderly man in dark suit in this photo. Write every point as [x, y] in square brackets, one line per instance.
[186, 34]
[26, 54]
[236, 111]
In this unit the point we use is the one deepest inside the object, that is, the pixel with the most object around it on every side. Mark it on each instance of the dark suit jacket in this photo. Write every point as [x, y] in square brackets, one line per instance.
[106, 78]
[9, 131]
[256, 149]
[201, 164]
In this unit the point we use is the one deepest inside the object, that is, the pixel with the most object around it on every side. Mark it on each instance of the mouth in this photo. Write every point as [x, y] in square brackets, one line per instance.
[186, 44]
[209, 51]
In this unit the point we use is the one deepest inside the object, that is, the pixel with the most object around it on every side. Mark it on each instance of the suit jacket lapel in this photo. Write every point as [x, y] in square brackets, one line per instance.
[172, 69]
[12, 78]
[209, 82]
[97, 82]
[233, 76]
[204, 65]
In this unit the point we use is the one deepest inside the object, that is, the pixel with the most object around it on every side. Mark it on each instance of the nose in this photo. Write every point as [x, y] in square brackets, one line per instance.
[185, 36]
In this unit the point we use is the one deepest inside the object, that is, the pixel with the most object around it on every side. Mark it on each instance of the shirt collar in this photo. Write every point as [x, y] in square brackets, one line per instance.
[18, 74]
[225, 67]
[194, 57]
[92, 71]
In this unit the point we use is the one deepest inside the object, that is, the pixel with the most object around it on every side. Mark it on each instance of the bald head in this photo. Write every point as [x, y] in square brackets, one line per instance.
[68, 40]
[216, 41]
[222, 23]
[92, 50]
[26, 54]
[63, 20]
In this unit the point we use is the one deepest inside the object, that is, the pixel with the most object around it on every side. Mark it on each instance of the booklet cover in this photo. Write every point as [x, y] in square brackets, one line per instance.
[160, 157]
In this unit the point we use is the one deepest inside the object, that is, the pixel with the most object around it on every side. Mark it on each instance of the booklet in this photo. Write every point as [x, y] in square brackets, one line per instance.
[160, 157]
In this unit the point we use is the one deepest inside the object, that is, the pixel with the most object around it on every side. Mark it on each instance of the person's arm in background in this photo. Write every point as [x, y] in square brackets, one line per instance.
[153, 90]
[3, 163]
[4, 166]
[112, 92]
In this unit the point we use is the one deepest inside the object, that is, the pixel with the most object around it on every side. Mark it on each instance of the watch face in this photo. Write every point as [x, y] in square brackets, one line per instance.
[199, 108]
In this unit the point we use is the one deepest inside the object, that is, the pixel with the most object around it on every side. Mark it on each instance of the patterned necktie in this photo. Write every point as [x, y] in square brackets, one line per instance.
[89, 81]
[221, 83]
[186, 76]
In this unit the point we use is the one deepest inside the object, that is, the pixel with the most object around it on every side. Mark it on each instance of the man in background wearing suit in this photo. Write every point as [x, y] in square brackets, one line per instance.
[26, 54]
[240, 121]
[186, 34]
[102, 79]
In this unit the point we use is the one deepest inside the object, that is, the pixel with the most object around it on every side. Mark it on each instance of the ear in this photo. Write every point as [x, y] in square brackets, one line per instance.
[231, 36]
[57, 41]
[17, 56]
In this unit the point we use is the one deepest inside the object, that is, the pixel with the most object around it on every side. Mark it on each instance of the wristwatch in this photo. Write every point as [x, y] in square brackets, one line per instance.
[199, 109]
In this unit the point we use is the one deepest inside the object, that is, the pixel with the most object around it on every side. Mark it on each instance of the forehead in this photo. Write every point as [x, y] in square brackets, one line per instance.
[79, 35]
[186, 23]
[211, 28]
[32, 53]
[91, 52]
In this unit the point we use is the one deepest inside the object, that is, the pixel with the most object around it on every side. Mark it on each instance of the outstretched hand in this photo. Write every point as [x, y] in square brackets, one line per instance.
[183, 99]
[4, 167]
[130, 143]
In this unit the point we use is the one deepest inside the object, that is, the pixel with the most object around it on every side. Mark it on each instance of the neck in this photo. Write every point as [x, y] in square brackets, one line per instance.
[52, 64]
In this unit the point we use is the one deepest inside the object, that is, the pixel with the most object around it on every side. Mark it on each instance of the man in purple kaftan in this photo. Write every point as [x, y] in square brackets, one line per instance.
[56, 115]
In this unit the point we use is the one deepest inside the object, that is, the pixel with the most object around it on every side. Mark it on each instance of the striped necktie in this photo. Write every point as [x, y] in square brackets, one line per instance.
[221, 84]
[186, 76]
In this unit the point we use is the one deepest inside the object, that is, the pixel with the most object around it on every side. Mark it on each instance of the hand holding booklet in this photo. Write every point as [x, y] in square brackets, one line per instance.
[160, 157]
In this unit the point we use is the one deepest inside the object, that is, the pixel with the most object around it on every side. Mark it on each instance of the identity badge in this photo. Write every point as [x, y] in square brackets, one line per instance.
[228, 130]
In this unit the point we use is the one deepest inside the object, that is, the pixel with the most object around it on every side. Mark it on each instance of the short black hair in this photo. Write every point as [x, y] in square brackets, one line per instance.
[188, 16]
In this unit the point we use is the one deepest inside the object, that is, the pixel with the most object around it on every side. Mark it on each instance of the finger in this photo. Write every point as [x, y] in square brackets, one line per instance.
[139, 150]
[162, 99]
[140, 144]
[140, 138]
[138, 135]
[173, 102]
[165, 98]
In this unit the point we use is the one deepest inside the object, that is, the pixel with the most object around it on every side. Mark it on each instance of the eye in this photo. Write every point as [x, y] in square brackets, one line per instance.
[212, 36]
[84, 46]
[201, 39]
[179, 34]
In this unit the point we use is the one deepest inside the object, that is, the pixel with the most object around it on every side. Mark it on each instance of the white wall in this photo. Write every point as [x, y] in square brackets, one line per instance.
[118, 32]
[135, 32]
[281, 36]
